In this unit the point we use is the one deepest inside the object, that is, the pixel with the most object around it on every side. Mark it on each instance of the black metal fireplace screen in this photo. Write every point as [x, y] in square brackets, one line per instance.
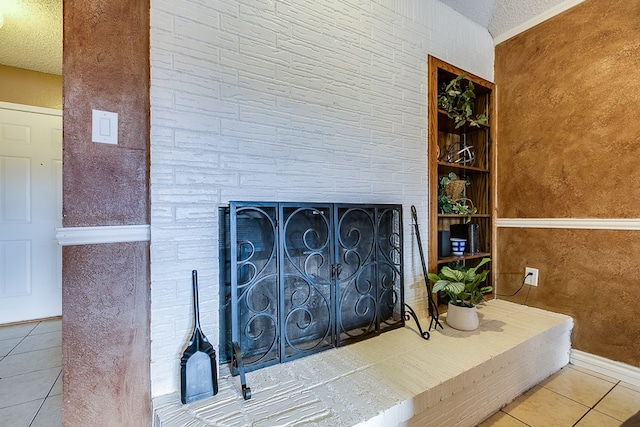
[299, 278]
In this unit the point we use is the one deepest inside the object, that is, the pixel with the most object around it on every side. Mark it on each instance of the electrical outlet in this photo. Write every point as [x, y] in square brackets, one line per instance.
[531, 276]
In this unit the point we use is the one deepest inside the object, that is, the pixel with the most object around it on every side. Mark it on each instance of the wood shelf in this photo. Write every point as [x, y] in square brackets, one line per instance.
[464, 257]
[459, 216]
[452, 166]
[443, 136]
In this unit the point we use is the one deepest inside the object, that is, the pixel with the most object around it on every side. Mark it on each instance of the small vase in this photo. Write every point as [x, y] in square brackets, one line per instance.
[462, 318]
[457, 246]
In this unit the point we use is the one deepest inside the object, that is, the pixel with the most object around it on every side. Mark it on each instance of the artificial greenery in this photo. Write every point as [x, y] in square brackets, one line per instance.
[461, 284]
[459, 103]
[446, 205]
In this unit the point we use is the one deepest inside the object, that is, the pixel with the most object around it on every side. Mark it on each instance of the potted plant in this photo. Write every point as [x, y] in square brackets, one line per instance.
[458, 103]
[450, 197]
[464, 288]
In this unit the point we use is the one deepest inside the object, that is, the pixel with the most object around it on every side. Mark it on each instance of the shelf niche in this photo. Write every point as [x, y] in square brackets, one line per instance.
[481, 174]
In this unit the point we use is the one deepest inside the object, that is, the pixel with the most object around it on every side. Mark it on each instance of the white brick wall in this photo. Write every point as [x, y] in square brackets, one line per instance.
[312, 100]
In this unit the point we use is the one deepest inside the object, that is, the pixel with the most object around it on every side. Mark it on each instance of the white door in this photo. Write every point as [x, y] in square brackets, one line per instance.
[30, 210]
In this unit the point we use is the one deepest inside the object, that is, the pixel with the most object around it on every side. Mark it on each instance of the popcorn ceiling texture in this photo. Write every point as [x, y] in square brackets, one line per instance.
[500, 16]
[454, 379]
[32, 35]
[304, 101]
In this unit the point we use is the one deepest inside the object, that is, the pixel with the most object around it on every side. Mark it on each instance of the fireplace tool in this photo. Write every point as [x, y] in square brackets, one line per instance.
[433, 307]
[199, 372]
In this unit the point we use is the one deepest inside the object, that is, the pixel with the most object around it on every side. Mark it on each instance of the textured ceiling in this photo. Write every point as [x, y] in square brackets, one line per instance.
[31, 36]
[501, 16]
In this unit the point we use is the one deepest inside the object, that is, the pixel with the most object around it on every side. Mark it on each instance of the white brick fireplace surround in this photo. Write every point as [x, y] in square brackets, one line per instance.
[284, 100]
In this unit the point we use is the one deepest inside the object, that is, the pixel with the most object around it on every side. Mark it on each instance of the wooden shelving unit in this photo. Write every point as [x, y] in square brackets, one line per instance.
[481, 174]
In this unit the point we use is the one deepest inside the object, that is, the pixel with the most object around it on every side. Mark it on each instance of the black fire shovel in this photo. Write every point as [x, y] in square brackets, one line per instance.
[199, 373]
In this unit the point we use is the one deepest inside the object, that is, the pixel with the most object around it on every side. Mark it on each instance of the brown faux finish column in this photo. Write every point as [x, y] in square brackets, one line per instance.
[105, 308]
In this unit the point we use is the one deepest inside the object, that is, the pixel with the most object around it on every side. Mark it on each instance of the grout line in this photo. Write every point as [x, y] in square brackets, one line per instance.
[33, 371]
[605, 395]
[54, 384]
[33, 333]
[45, 398]
[19, 342]
[596, 404]
[37, 412]
[14, 347]
[515, 418]
[592, 373]
[567, 397]
[580, 419]
[602, 398]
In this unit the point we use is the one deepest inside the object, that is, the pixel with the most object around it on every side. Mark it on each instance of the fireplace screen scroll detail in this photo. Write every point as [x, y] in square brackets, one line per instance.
[300, 278]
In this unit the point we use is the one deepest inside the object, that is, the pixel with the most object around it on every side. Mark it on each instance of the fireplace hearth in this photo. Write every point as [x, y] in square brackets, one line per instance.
[300, 278]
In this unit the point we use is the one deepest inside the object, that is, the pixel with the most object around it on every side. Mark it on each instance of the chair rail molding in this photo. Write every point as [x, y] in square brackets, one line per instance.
[70, 236]
[578, 223]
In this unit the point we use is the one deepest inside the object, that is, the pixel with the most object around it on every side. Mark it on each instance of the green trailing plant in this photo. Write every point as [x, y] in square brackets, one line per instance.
[458, 103]
[447, 205]
[462, 285]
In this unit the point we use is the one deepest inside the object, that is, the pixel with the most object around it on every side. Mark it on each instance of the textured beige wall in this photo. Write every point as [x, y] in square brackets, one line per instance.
[28, 87]
[105, 304]
[569, 145]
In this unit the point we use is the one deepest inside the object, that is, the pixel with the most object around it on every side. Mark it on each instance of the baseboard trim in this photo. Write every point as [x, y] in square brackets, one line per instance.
[575, 223]
[72, 236]
[617, 370]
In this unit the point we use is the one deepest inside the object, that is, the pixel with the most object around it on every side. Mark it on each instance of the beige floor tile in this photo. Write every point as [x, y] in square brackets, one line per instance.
[46, 326]
[7, 345]
[597, 419]
[621, 403]
[16, 331]
[578, 385]
[19, 415]
[31, 361]
[502, 419]
[26, 387]
[39, 342]
[593, 373]
[50, 415]
[532, 408]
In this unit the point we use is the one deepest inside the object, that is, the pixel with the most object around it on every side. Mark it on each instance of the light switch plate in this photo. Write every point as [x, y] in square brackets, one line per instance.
[104, 127]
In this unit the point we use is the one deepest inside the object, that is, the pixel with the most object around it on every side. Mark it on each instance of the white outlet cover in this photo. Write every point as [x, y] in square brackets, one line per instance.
[533, 278]
[104, 127]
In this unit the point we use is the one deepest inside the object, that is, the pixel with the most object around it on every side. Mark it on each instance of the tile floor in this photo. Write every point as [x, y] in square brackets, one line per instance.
[572, 397]
[30, 374]
[31, 388]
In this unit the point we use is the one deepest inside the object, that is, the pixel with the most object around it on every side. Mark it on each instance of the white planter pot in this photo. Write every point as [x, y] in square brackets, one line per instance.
[462, 318]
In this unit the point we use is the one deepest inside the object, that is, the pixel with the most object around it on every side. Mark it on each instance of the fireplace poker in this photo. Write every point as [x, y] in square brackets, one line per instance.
[433, 307]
